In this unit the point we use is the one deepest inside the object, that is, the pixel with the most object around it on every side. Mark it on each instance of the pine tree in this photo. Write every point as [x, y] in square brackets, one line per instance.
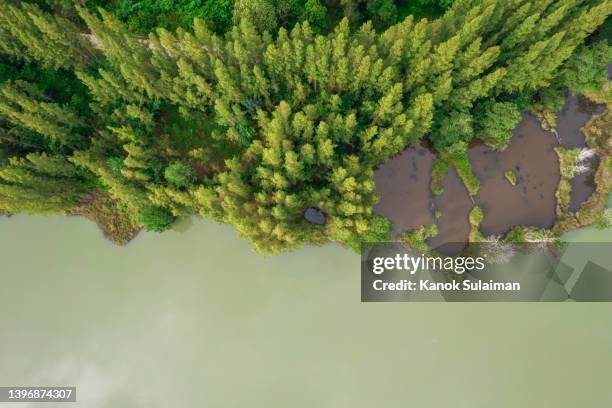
[28, 33]
[40, 184]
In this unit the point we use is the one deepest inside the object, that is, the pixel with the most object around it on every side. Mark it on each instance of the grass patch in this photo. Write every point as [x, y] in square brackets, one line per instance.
[567, 161]
[563, 194]
[605, 220]
[438, 172]
[464, 170]
[476, 217]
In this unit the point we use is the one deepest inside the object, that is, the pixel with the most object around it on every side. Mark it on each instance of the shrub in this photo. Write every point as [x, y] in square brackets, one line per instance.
[497, 120]
[156, 219]
[180, 174]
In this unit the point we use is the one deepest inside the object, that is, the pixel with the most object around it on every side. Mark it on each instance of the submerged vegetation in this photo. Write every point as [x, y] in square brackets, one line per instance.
[249, 117]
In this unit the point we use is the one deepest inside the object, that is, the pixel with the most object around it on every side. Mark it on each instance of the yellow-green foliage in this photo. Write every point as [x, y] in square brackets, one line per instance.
[522, 234]
[511, 177]
[416, 240]
[567, 160]
[464, 170]
[476, 217]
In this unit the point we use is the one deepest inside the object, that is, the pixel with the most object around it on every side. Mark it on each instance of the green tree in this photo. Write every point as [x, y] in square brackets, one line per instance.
[495, 123]
[260, 13]
[180, 174]
[156, 219]
[586, 70]
[314, 12]
[40, 184]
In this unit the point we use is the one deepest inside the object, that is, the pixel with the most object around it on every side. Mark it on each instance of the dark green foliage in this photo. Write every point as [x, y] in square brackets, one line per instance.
[551, 99]
[143, 16]
[180, 174]
[586, 70]
[115, 164]
[495, 123]
[156, 219]
[314, 12]
[454, 128]
[261, 14]
[383, 12]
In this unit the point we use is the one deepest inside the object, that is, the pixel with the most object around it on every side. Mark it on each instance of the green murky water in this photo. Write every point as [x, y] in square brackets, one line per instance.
[197, 319]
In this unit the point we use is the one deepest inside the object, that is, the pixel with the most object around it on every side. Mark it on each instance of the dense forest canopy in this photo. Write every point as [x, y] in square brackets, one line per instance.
[255, 111]
[145, 15]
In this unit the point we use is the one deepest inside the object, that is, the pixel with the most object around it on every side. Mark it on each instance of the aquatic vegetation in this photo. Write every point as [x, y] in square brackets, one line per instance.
[476, 217]
[597, 133]
[416, 240]
[605, 220]
[511, 177]
[459, 159]
[438, 172]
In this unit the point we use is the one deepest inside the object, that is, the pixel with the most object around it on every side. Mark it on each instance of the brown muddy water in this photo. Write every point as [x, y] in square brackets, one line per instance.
[583, 185]
[577, 111]
[405, 197]
[455, 205]
[403, 186]
[531, 202]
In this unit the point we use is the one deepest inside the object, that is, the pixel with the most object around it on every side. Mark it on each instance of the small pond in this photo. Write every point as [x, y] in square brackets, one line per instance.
[406, 199]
